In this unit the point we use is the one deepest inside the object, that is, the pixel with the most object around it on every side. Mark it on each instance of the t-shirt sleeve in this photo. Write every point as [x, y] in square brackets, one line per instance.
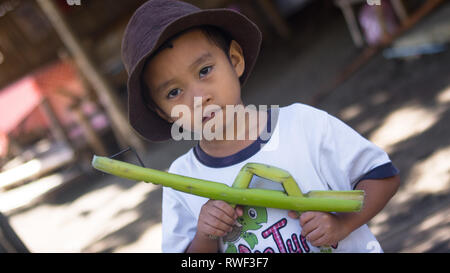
[346, 157]
[178, 223]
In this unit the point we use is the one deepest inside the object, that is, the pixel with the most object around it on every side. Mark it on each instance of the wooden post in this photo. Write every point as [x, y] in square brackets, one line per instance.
[369, 52]
[352, 23]
[56, 127]
[400, 10]
[89, 132]
[9, 241]
[105, 92]
[275, 18]
[381, 20]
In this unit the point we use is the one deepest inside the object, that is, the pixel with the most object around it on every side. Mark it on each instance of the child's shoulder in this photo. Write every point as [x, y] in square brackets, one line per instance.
[182, 162]
[303, 112]
[303, 108]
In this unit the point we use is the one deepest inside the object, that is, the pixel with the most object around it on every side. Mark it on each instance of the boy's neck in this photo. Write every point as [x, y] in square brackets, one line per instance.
[222, 148]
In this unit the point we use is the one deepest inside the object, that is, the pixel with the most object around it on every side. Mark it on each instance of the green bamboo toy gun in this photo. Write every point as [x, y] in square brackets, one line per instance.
[239, 193]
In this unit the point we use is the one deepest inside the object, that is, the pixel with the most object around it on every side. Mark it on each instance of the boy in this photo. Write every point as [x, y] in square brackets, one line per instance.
[178, 55]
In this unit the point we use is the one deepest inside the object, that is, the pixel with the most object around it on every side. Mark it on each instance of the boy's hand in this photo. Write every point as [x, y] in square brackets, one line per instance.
[217, 218]
[321, 228]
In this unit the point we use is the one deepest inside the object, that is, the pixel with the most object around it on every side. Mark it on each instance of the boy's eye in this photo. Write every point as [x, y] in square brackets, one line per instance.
[173, 93]
[205, 71]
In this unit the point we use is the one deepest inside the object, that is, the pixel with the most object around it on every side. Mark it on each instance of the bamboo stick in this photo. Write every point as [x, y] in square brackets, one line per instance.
[326, 201]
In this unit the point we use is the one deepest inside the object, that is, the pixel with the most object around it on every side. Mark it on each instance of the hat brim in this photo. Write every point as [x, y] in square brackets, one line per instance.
[145, 121]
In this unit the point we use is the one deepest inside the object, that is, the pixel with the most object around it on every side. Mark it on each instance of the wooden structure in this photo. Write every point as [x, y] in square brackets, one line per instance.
[57, 156]
[9, 240]
[88, 36]
[350, 18]
[27, 48]
[369, 52]
[87, 66]
[24, 47]
[92, 36]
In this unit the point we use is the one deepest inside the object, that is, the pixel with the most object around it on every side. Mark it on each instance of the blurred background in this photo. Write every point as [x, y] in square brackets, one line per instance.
[383, 67]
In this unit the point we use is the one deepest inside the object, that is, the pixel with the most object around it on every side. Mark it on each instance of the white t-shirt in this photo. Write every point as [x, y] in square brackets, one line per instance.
[318, 150]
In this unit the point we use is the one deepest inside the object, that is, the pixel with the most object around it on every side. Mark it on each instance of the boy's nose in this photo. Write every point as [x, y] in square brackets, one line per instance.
[200, 102]
[206, 97]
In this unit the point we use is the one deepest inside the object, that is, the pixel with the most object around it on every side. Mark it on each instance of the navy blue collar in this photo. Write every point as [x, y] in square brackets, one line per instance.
[244, 154]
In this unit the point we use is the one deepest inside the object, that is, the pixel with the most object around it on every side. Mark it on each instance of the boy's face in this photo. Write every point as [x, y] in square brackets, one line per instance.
[194, 67]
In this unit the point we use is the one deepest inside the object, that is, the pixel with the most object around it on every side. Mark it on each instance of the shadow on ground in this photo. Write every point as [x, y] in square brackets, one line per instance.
[150, 214]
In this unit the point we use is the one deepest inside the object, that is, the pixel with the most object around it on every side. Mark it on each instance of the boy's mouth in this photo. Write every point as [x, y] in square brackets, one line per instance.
[208, 117]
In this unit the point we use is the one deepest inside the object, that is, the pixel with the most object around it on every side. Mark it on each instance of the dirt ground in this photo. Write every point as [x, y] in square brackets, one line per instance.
[402, 106]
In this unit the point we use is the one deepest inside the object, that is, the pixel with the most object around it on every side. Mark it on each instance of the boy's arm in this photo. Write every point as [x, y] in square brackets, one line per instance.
[378, 192]
[203, 244]
[322, 228]
[216, 219]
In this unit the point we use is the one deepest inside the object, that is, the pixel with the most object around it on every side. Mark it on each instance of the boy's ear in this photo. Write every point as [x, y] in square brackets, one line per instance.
[236, 55]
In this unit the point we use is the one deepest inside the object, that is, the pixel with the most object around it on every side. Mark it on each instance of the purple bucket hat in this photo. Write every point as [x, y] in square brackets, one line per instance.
[155, 22]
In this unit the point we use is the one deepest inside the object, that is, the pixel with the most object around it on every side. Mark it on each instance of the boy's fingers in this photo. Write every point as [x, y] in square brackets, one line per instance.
[225, 207]
[308, 228]
[314, 235]
[239, 210]
[213, 230]
[221, 216]
[318, 241]
[217, 223]
[293, 214]
[306, 217]
[321, 241]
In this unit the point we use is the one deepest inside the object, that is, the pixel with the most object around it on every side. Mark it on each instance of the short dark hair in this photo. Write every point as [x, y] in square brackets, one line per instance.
[214, 34]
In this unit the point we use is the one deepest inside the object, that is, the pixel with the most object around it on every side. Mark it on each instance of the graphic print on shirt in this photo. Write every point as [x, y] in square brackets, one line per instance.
[251, 219]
